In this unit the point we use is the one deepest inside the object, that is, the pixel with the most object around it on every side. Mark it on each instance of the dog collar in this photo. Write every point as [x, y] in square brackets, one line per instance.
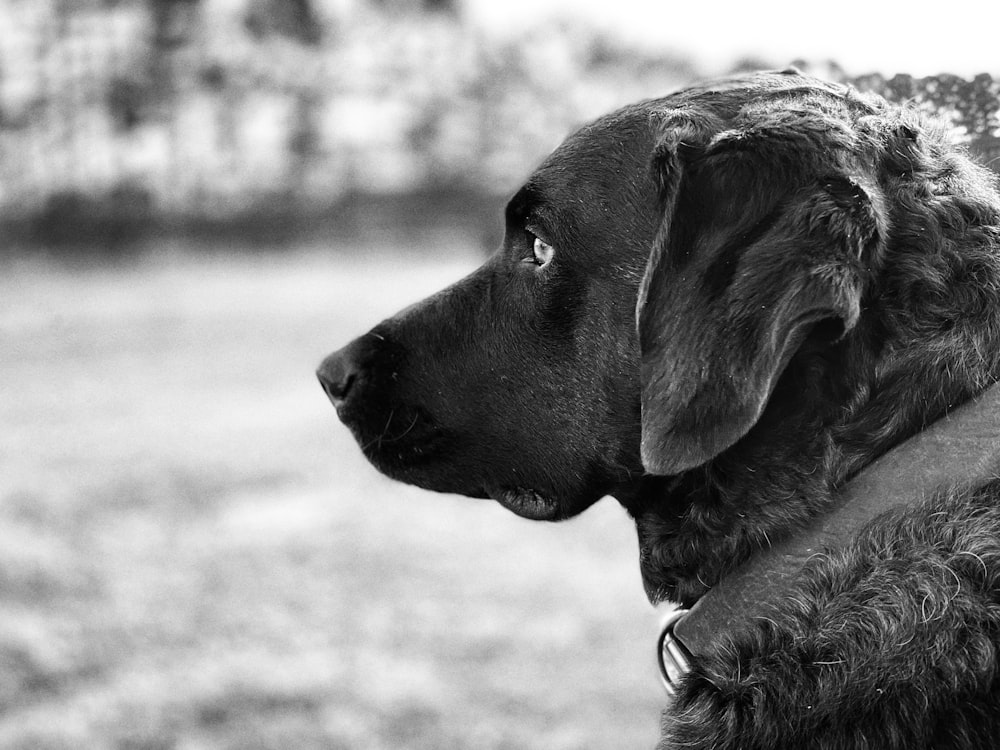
[960, 448]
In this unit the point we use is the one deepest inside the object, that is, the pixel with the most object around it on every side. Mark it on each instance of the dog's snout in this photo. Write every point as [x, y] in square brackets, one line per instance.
[337, 374]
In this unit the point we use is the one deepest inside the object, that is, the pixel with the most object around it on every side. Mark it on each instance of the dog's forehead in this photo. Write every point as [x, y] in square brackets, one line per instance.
[620, 144]
[599, 163]
[612, 142]
[607, 165]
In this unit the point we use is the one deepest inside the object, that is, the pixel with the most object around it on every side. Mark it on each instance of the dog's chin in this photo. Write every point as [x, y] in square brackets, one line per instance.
[528, 504]
[430, 458]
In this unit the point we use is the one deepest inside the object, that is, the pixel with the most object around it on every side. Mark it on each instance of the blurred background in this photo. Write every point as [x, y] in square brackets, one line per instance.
[199, 199]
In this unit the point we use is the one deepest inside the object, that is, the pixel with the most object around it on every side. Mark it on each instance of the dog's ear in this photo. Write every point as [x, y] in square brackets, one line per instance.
[764, 241]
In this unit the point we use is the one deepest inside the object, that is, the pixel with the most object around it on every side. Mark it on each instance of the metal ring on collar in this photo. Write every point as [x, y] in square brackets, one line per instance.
[672, 657]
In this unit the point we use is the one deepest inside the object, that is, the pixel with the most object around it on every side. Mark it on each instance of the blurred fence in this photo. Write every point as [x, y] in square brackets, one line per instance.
[971, 108]
[118, 114]
[118, 117]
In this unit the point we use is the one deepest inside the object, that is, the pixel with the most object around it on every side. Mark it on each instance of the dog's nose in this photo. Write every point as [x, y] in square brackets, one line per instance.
[337, 373]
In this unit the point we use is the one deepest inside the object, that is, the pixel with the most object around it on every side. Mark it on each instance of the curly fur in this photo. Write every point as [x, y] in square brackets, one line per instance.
[928, 337]
[890, 643]
[893, 642]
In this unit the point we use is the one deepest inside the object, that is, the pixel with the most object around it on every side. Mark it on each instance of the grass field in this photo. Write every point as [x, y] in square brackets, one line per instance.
[194, 555]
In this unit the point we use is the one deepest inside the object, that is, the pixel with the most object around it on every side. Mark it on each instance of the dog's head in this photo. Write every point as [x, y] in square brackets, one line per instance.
[519, 382]
[684, 280]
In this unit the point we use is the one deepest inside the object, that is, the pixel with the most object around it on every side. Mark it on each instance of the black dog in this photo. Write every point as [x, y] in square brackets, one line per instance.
[718, 307]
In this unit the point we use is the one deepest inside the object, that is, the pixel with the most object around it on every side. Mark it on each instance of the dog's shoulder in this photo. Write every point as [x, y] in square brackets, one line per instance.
[891, 639]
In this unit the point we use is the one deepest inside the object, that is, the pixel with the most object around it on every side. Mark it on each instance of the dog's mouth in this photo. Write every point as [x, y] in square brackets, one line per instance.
[394, 439]
[526, 503]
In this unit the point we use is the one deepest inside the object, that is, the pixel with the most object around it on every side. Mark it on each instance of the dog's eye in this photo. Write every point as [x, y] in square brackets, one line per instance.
[542, 252]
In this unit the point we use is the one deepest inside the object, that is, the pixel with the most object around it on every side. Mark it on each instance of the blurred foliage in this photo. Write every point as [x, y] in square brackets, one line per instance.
[121, 119]
[220, 110]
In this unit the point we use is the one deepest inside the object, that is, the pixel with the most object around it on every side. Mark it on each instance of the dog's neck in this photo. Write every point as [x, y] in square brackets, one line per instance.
[960, 450]
[696, 528]
[927, 340]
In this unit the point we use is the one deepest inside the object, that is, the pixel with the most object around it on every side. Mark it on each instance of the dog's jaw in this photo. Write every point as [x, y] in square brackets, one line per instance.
[527, 503]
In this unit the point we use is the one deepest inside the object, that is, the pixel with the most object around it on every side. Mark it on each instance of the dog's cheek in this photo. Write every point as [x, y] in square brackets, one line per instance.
[598, 392]
[557, 314]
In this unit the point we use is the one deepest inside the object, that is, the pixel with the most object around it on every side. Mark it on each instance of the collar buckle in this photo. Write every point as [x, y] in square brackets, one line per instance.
[673, 658]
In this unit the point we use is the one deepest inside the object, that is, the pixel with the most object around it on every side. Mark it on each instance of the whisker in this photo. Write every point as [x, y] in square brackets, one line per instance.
[378, 438]
[405, 432]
